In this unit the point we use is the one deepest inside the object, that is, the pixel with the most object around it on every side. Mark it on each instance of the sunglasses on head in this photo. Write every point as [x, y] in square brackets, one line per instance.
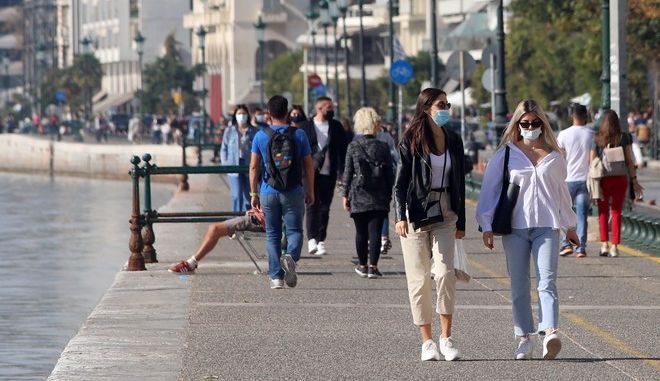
[536, 123]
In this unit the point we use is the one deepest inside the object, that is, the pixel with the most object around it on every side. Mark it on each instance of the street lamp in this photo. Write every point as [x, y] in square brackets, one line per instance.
[392, 109]
[201, 36]
[87, 49]
[139, 48]
[325, 23]
[334, 15]
[41, 58]
[363, 88]
[500, 89]
[434, 45]
[343, 8]
[87, 44]
[311, 17]
[260, 27]
[5, 63]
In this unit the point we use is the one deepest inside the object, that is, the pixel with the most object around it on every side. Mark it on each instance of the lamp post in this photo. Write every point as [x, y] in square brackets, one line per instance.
[311, 17]
[87, 49]
[201, 36]
[392, 100]
[334, 15]
[343, 8]
[325, 23]
[500, 91]
[605, 75]
[363, 88]
[5, 63]
[260, 27]
[40, 58]
[139, 48]
[434, 45]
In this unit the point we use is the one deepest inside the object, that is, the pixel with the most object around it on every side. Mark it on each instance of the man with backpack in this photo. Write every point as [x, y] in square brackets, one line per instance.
[280, 154]
[328, 142]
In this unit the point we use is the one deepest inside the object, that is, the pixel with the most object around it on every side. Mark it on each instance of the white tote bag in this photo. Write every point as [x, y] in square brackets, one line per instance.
[461, 263]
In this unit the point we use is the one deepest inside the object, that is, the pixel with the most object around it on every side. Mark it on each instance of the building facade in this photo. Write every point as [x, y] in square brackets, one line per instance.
[11, 49]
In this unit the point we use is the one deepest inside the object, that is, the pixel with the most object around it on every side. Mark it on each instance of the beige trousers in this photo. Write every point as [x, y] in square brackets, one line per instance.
[417, 249]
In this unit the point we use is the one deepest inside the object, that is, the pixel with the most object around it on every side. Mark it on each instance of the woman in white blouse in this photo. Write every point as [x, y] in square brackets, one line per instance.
[543, 207]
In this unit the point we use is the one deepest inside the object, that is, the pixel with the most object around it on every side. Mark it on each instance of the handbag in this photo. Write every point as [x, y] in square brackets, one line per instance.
[461, 263]
[433, 208]
[614, 161]
[508, 196]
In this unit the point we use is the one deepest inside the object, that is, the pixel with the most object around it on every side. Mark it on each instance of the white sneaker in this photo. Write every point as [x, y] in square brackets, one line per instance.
[447, 348]
[430, 351]
[614, 251]
[276, 284]
[551, 346]
[312, 246]
[525, 350]
[320, 248]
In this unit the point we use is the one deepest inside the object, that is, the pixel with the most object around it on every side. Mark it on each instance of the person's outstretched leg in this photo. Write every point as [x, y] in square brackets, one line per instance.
[213, 234]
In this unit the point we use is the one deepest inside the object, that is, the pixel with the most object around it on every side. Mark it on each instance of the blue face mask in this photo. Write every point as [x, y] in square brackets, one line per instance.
[441, 117]
[530, 134]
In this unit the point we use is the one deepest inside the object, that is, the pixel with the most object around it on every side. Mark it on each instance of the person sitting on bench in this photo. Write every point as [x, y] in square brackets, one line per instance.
[252, 221]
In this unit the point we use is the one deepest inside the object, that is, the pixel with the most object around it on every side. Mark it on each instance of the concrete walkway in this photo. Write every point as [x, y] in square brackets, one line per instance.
[224, 322]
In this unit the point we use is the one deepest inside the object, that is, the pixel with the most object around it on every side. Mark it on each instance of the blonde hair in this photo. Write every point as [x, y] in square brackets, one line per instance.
[366, 121]
[512, 132]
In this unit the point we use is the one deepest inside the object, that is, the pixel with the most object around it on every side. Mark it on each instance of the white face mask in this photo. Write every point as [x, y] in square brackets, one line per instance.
[241, 118]
[530, 134]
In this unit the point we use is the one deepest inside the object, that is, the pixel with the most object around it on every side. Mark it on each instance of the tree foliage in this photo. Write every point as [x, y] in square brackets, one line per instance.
[166, 74]
[78, 82]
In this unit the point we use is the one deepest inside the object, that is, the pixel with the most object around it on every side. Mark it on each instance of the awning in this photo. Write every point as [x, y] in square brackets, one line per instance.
[112, 101]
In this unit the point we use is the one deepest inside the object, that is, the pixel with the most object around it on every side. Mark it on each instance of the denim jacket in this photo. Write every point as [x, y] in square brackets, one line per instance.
[231, 146]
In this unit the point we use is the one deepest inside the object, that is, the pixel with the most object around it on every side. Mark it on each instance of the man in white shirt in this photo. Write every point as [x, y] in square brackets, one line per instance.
[577, 141]
[328, 142]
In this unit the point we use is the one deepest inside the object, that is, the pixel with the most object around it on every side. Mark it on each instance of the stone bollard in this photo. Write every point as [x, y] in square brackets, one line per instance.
[135, 245]
[148, 236]
[183, 178]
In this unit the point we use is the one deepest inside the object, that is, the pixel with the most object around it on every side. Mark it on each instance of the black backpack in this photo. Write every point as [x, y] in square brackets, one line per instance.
[371, 174]
[284, 169]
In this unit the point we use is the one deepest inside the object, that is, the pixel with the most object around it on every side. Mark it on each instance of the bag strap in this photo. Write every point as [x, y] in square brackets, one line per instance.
[505, 169]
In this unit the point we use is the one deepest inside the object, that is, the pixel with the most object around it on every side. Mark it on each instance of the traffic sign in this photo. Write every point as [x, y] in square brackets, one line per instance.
[60, 96]
[314, 80]
[487, 79]
[486, 53]
[454, 65]
[401, 72]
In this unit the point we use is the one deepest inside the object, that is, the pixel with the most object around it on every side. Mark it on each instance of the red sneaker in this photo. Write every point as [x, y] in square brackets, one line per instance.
[181, 267]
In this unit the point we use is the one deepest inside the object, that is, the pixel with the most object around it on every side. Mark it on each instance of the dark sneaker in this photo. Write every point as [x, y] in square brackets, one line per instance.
[373, 273]
[385, 246]
[566, 250]
[289, 267]
[182, 267]
[361, 271]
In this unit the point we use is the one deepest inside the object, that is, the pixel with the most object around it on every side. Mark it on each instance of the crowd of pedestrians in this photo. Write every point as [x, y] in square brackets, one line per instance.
[296, 164]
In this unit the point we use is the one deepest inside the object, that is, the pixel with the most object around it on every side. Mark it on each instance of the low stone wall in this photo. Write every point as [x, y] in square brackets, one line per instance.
[20, 153]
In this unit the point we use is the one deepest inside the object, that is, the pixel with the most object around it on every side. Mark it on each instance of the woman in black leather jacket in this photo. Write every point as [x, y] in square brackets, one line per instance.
[429, 195]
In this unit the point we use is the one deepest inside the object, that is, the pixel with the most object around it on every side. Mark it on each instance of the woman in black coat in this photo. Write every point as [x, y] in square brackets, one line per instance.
[368, 180]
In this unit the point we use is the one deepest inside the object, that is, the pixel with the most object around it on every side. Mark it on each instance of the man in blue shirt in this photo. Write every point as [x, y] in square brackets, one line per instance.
[277, 204]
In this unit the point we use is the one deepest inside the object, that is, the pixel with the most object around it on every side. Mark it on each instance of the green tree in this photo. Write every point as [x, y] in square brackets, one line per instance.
[283, 74]
[166, 74]
[79, 82]
[643, 37]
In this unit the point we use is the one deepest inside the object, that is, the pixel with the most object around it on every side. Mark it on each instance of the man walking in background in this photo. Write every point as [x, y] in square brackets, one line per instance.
[280, 153]
[328, 143]
[577, 141]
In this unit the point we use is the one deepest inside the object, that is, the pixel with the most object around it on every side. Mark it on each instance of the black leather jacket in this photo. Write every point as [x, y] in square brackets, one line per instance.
[413, 181]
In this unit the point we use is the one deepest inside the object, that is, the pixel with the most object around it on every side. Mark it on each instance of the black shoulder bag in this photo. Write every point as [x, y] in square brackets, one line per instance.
[508, 196]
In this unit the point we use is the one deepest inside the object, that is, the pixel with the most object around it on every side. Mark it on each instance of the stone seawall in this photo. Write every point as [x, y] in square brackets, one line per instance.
[20, 153]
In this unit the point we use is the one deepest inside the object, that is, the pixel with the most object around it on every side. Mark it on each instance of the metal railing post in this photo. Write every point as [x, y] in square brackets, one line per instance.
[148, 236]
[183, 179]
[135, 245]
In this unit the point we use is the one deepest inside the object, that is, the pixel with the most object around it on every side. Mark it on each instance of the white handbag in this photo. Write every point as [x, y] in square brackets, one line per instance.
[461, 263]
[614, 161]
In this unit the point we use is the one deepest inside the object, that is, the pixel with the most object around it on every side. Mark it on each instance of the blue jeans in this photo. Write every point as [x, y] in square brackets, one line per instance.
[580, 196]
[240, 192]
[542, 244]
[289, 206]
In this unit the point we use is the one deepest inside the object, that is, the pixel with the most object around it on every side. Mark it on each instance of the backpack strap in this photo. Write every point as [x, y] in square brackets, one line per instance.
[505, 169]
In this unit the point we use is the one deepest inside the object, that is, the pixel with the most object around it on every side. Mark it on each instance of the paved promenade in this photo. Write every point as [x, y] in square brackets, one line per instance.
[224, 322]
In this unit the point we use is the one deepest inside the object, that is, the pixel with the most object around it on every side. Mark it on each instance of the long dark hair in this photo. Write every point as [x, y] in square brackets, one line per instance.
[609, 131]
[419, 131]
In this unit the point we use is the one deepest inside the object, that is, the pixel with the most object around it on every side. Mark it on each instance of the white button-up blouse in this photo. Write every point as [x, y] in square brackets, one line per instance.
[543, 201]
